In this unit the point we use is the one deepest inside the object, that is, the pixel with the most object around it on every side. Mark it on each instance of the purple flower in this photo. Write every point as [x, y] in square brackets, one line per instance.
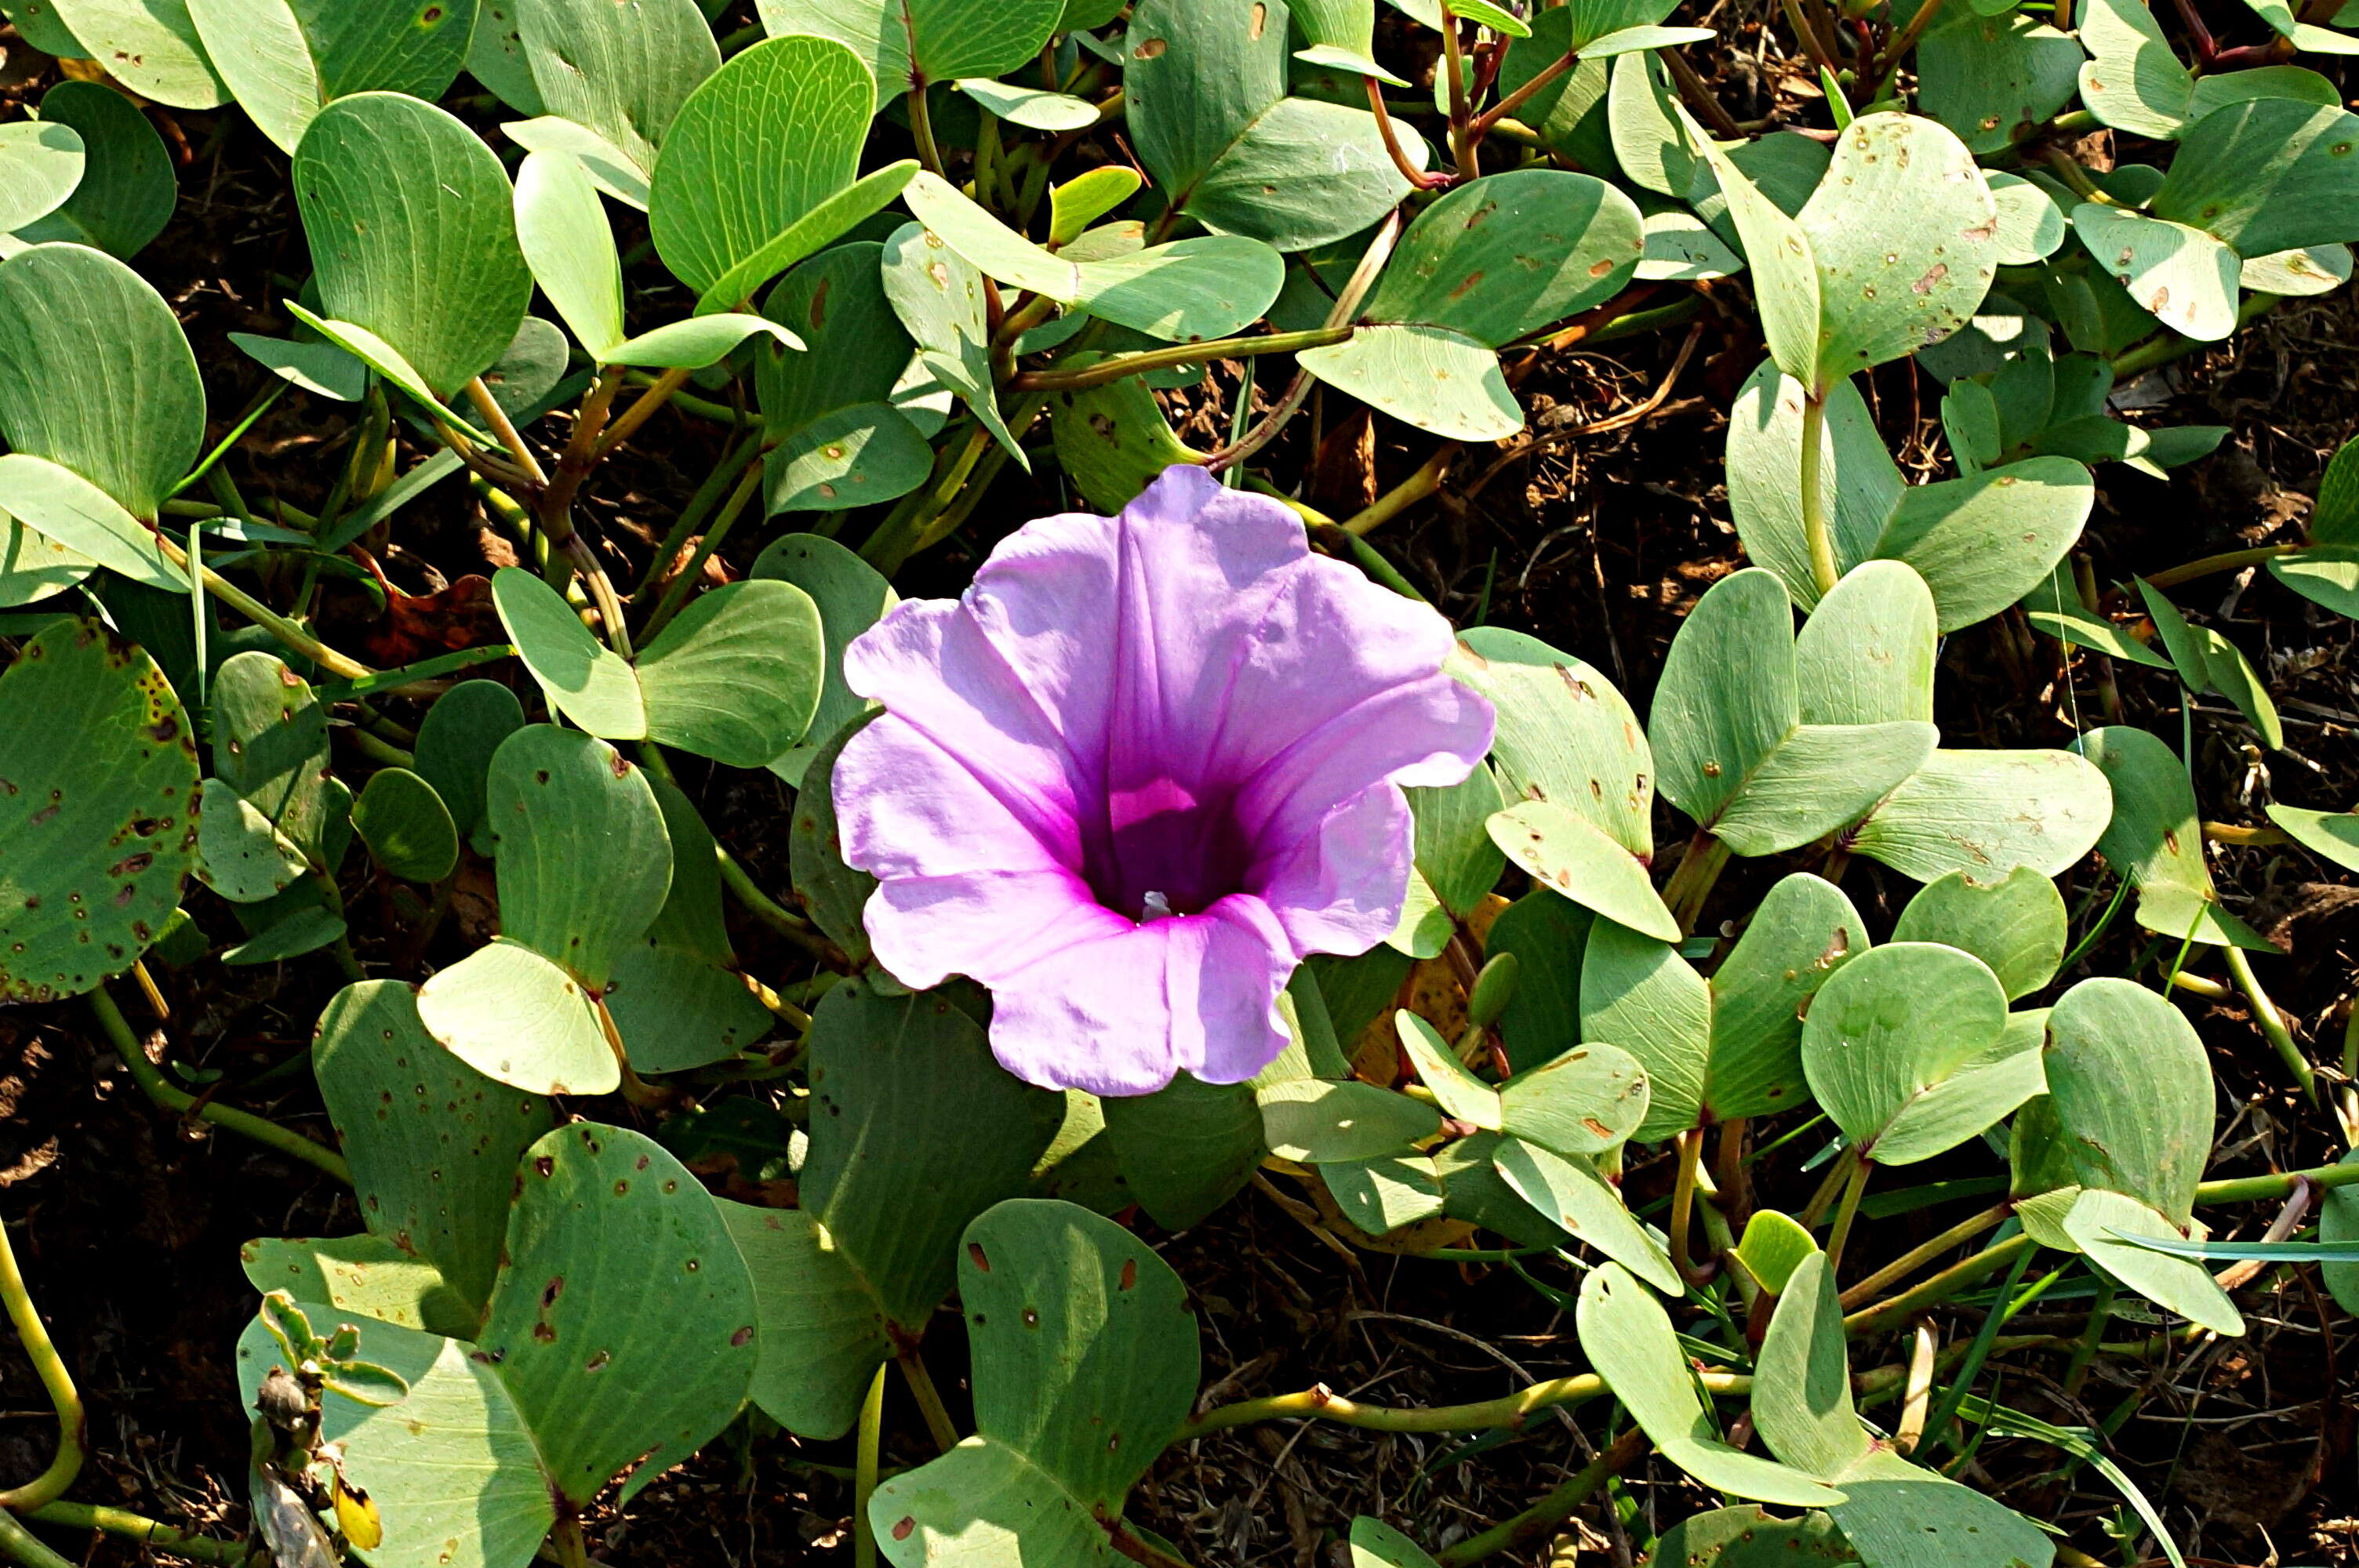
[1143, 766]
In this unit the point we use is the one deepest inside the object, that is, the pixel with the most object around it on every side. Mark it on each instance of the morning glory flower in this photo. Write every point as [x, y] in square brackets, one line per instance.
[1137, 772]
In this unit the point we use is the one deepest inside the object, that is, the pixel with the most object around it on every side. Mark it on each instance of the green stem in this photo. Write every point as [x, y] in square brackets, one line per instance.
[2272, 1022]
[1683, 1199]
[1403, 495]
[25, 1547]
[51, 1483]
[2100, 1313]
[2227, 561]
[863, 1472]
[921, 129]
[1848, 1211]
[180, 1102]
[896, 540]
[676, 592]
[1114, 368]
[269, 620]
[2278, 1185]
[1552, 1510]
[700, 506]
[1694, 878]
[143, 1531]
[1939, 1288]
[928, 1397]
[565, 1539]
[1814, 500]
[1908, 1262]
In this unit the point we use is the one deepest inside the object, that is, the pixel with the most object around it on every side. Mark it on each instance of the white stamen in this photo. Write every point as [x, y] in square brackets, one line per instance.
[1157, 908]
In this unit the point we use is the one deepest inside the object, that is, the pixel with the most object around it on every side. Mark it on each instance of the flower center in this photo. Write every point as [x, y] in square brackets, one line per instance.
[1166, 851]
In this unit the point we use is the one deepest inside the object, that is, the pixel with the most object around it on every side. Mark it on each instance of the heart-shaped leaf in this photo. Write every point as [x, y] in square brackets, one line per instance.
[757, 147]
[676, 996]
[1629, 1340]
[1988, 812]
[430, 265]
[1728, 734]
[1186, 1148]
[1318, 1121]
[1804, 930]
[128, 186]
[907, 45]
[1085, 1361]
[735, 676]
[2100, 1221]
[433, 1144]
[1639, 993]
[2131, 1087]
[1911, 1050]
[406, 827]
[1751, 1537]
[2186, 278]
[917, 1131]
[2015, 923]
[97, 376]
[622, 72]
[1570, 1194]
[1990, 79]
[284, 59]
[2156, 843]
[850, 596]
[97, 809]
[455, 742]
[2267, 174]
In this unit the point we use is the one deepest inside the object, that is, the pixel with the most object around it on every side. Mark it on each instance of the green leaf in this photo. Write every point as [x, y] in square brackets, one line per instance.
[1892, 1511]
[1565, 734]
[149, 45]
[1501, 257]
[567, 241]
[2156, 843]
[1858, 481]
[284, 59]
[1629, 1340]
[579, 675]
[855, 347]
[1320, 1121]
[2181, 274]
[584, 865]
[239, 854]
[428, 264]
[677, 998]
[2132, 1089]
[1911, 1050]
[622, 1325]
[1461, 1095]
[1639, 994]
[521, 1020]
[2015, 923]
[2136, 83]
[127, 190]
[924, 40]
[36, 23]
[1988, 812]
[455, 742]
[1029, 106]
[2304, 270]
[97, 376]
[851, 597]
[406, 827]
[1728, 738]
[735, 676]
[96, 812]
[2206, 661]
[1585, 1102]
[1804, 931]
[1981, 543]
[608, 167]
[828, 222]
[270, 745]
[1085, 1362]
[1385, 1194]
[2335, 519]
[2100, 1220]
[2267, 174]
[1546, 934]
[1750, 1537]
[2338, 1225]
[919, 1133]
[1993, 78]
[623, 72]
[1188, 1148]
[33, 565]
[372, 1277]
[830, 892]
[41, 162]
[2030, 224]
[938, 295]
[1774, 1246]
[1865, 655]
[83, 520]
[1570, 1194]
[1440, 381]
[1376, 1545]
[452, 1468]
[1208, 110]
[433, 1144]
[2333, 836]
[757, 147]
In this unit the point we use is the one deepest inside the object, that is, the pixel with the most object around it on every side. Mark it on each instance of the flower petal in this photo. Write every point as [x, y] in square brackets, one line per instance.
[907, 807]
[1424, 732]
[1120, 1015]
[985, 925]
[1339, 889]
